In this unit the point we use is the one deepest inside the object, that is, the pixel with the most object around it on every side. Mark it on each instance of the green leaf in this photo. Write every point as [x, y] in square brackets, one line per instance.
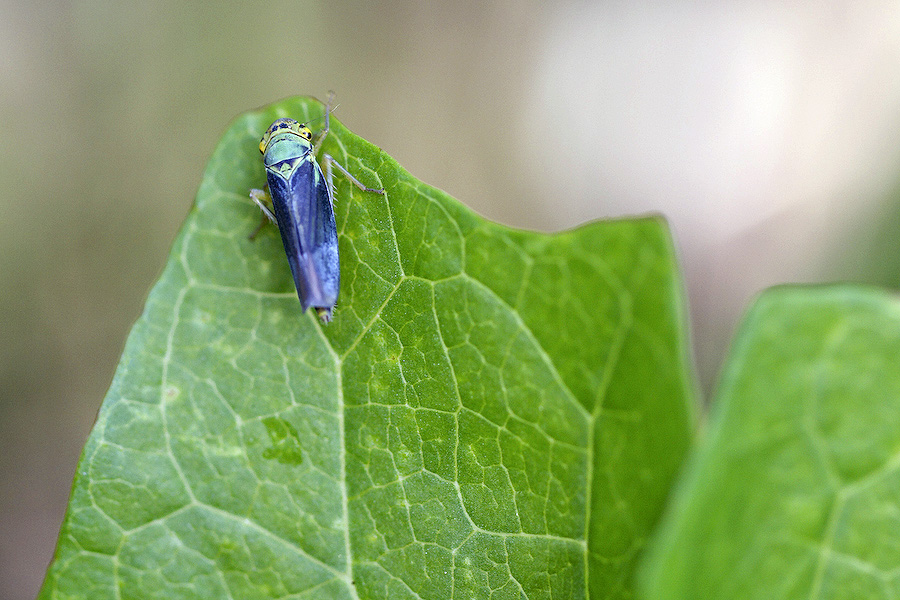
[794, 492]
[492, 413]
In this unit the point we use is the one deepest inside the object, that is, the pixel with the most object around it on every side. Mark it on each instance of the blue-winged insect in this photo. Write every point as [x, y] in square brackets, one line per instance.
[302, 201]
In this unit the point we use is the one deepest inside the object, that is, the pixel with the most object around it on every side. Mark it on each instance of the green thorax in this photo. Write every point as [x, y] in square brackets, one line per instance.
[286, 151]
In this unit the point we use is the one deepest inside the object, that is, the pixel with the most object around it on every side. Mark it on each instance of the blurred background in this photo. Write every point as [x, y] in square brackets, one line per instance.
[767, 132]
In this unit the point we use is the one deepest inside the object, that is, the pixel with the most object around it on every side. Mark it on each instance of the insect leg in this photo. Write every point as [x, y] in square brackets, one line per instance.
[329, 160]
[261, 198]
[320, 136]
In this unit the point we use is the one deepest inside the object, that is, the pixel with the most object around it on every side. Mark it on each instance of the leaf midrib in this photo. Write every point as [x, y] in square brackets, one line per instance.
[591, 417]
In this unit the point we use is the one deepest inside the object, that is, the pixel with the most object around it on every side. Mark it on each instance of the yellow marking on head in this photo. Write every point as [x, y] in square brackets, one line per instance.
[281, 126]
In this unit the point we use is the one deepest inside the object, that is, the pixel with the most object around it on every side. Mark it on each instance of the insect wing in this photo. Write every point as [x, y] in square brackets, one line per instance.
[305, 216]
